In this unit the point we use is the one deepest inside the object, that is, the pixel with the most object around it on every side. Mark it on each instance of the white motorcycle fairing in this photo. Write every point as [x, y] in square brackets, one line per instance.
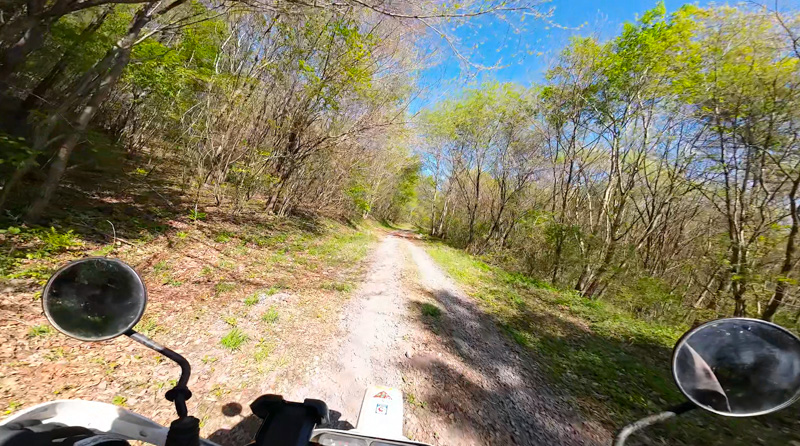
[383, 430]
[98, 417]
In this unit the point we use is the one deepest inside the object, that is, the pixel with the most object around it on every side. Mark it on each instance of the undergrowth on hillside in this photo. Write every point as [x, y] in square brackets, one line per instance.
[615, 367]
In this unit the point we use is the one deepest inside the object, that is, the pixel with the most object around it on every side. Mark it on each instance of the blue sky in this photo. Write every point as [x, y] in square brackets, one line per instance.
[522, 47]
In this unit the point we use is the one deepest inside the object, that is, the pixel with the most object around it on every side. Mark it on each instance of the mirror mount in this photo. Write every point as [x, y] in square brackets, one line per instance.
[638, 425]
[180, 393]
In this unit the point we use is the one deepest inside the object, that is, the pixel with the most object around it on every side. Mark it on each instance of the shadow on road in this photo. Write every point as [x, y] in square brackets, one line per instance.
[245, 430]
[506, 397]
[546, 366]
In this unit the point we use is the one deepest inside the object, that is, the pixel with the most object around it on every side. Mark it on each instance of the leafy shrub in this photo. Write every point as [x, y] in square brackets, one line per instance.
[53, 241]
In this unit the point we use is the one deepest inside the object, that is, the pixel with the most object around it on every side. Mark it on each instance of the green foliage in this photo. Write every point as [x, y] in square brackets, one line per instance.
[149, 326]
[342, 287]
[31, 244]
[358, 193]
[343, 246]
[431, 310]
[414, 401]
[38, 331]
[195, 215]
[161, 267]
[223, 237]
[615, 364]
[224, 287]
[263, 350]
[234, 339]
[14, 151]
[104, 251]
[39, 273]
[270, 316]
[119, 400]
[251, 300]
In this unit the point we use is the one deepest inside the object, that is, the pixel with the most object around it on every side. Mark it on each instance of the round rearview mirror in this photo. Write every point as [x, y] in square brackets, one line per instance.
[94, 299]
[738, 367]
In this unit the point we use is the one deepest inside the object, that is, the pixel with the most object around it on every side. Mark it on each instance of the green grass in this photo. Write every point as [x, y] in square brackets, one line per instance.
[431, 310]
[270, 316]
[56, 354]
[161, 267]
[21, 244]
[102, 252]
[148, 326]
[230, 320]
[263, 350]
[342, 287]
[251, 300]
[224, 287]
[223, 237]
[119, 400]
[342, 245]
[274, 290]
[39, 331]
[615, 367]
[234, 339]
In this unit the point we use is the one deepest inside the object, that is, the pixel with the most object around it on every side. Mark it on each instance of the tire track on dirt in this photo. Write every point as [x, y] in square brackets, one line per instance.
[369, 347]
[465, 383]
[491, 390]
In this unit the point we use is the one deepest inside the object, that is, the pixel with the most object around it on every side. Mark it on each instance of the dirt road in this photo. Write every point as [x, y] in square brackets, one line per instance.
[407, 325]
[465, 384]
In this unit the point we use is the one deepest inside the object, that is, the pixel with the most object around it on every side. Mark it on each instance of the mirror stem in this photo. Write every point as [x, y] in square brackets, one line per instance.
[651, 420]
[180, 393]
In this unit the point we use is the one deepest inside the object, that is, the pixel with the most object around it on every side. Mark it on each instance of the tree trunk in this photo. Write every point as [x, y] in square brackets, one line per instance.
[122, 54]
[788, 258]
[557, 257]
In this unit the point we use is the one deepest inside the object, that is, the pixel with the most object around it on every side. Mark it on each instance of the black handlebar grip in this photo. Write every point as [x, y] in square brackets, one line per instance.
[184, 432]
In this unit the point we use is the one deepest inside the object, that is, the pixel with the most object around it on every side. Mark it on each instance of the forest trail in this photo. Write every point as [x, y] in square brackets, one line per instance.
[464, 383]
